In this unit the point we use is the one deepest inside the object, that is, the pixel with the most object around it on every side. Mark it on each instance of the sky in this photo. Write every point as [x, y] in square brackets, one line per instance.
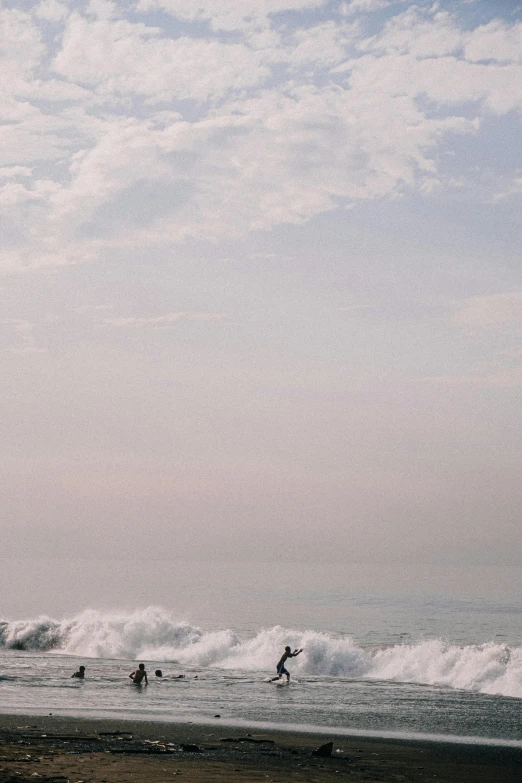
[260, 280]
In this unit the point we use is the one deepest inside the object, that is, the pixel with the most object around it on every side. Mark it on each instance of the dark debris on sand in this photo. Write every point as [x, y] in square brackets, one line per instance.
[63, 750]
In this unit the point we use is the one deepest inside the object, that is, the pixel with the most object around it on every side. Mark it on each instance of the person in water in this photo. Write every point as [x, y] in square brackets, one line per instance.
[139, 675]
[80, 674]
[281, 665]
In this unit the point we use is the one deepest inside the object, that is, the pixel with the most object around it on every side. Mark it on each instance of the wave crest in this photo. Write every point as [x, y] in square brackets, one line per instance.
[155, 635]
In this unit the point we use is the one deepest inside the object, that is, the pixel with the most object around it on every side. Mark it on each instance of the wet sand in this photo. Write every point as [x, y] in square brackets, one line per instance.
[57, 749]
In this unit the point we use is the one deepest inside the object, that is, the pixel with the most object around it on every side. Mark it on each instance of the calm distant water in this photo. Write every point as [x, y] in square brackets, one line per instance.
[430, 651]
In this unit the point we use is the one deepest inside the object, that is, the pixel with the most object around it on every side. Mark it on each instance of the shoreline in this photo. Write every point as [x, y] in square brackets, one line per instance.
[310, 730]
[59, 748]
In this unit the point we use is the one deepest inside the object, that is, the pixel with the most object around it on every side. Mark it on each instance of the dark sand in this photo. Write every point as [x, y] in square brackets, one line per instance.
[77, 750]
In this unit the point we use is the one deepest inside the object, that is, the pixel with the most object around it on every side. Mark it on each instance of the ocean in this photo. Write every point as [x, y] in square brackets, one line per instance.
[387, 650]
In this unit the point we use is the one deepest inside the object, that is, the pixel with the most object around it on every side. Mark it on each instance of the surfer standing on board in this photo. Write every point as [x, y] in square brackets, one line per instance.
[281, 665]
[139, 675]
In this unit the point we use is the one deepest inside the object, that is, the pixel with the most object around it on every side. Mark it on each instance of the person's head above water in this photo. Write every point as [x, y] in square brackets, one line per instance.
[158, 673]
[82, 668]
[141, 666]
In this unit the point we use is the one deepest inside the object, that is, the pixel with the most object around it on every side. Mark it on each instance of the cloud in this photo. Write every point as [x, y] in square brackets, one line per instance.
[247, 166]
[51, 10]
[122, 58]
[493, 324]
[417, 32]
[491, 313]
[14, 194]
[22, 45]
[138, 136]
[321, 46]
[443, 80]
[495, 41]
[8, 172]
[363, 6]
[20, 336]
[426, 53]
[514, 189]
[164, 320]
[510, 378]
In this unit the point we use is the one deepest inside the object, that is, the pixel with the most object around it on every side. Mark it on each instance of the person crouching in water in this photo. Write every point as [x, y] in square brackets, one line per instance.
[80, 674]
[139, 675]
[281, 665]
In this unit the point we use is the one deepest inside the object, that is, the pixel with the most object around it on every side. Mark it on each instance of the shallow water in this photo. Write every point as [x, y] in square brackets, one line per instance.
[36, 682]
[378, 657]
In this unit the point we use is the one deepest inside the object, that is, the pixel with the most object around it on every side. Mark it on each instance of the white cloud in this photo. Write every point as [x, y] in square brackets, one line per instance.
[29, 133]
[37, 136]
[256, 163]
[295, 156]
[7, 172]
[118, 57]
[14, 194]
[426, 53]
[165, 320]
[47, 253]
[54, 90]
[495, 41]
[150, 139]
[324, 45]
[22, 47]
[492, 324]
[514, 189]
[492, 313]
[417, 33]
[446, 80]
[51, 10]
[20, 337]
[103, 9]
[363, 6]
[509, 378]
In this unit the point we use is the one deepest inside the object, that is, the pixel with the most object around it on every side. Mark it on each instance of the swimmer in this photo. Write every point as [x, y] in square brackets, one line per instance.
[139, 675]
[80, 674]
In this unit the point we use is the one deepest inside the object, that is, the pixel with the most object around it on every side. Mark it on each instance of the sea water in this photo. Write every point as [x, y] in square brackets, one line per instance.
[386, 650]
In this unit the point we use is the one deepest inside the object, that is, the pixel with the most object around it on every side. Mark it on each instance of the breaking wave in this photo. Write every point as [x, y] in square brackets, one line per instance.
[154, 635]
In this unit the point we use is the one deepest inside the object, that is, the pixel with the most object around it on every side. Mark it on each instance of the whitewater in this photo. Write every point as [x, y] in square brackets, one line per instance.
[420, 687]
[387, 649]
[156, 635]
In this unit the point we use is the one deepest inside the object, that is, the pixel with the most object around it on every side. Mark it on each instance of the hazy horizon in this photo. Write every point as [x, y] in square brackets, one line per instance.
[260, 281]
[345, 597]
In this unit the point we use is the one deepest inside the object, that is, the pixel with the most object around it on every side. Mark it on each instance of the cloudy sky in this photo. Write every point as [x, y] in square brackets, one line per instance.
[260, 282]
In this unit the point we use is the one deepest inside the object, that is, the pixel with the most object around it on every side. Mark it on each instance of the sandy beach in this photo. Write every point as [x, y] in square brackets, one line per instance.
[58, 749]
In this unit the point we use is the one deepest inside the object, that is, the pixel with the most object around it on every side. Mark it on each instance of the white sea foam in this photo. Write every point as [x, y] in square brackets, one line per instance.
[153, 634]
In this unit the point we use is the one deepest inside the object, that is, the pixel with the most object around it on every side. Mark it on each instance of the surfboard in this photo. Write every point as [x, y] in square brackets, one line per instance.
[278, 682]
